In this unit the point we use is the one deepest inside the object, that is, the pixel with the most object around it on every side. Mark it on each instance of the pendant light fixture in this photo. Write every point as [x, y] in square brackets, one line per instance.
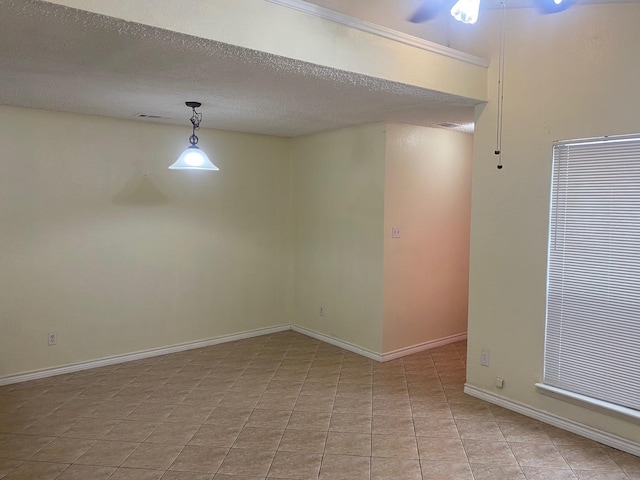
[193, 158]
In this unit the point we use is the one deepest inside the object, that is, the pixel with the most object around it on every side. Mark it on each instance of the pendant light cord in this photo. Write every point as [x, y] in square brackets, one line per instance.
[196, 118]
[498, 150]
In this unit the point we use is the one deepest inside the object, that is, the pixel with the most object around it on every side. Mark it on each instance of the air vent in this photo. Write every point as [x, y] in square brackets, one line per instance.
[447, 125]
[152, 117]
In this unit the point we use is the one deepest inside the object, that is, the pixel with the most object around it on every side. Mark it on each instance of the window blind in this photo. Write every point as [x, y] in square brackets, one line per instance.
[592, 343]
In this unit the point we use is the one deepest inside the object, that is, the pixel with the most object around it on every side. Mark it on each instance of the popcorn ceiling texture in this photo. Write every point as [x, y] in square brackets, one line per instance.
[59, 58]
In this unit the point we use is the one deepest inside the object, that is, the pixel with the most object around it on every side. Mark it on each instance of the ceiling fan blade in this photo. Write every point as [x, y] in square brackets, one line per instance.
[549, 6]
[428, 10]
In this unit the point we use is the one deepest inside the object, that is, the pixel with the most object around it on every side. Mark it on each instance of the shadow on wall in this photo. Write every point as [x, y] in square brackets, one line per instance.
[140, 191]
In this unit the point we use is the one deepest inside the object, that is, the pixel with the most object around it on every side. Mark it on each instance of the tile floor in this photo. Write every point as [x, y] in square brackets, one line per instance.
[283, 406]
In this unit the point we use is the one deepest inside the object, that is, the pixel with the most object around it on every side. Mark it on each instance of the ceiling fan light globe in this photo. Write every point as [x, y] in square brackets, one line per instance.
[466, 11]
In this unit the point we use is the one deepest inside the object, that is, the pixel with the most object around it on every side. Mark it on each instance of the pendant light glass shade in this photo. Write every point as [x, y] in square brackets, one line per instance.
[193, 158]
[466, 11]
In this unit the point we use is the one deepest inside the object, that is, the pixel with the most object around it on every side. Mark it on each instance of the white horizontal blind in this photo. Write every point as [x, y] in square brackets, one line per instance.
[592, 342]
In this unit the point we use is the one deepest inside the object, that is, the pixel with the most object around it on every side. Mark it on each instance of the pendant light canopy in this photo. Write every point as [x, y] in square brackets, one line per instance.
[193, 158]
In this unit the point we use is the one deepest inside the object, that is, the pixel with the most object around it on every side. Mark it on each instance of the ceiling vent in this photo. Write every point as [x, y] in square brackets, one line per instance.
[447, 125]
[150, 117]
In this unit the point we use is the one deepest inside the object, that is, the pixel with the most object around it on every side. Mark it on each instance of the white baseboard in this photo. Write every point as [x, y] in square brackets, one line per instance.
[423, 346]
[385, 357]
[128, 357]
[338, 343]
[600, 436]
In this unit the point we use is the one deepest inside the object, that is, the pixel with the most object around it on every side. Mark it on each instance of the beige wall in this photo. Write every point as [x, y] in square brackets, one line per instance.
[569, 75]
[100, 242]
[104, 245]
[338, 180]
[426, 270]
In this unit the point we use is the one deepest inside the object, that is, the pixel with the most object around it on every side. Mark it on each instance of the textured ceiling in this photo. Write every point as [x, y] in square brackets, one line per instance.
[57, 58]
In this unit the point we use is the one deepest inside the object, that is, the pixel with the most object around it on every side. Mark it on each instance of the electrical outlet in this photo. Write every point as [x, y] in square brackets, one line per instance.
[484, 358]
[322, 312]
[395, 232]
[52, 338]
[499, 382]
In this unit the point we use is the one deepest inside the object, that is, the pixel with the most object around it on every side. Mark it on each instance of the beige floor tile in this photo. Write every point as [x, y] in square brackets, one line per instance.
[136, 474]
[446, 471]
[314, 403]
[79, 407]
[354, 389]
[318, 388]
[340, 443]
[494, 453]
[108, 453]
[53, 425]
[537, 473]
[216, 435]
[203, 396]
[86, 472]
[303, 441]
[63, 450]
[524, 433]
[351, 404]
[351, 423]
[22, 447]
[240, 400]
[131, 431]
[171, 395]
[173, 433]
[600, 475]
[387, 468]
[16, 423]
[471, 412]
[392, 425]
[488, 471]
[344, 467]
[443, 427]
[425, 408]
[152, 412]
[225, 415]
[309, 421]
[629, 463]
[587, 458]
[199, 459]
[261, 417]
[7, 466]
[153, 456]
[446, 450]
[242, 462]
[91, 428]
[171, 475]
[274, 400]
[563, 437]
[36, 471]
[537, 455]
[394, 446]
[261, 438]
[114, 409]
[190, 414]
[295, 465]
[479, 430]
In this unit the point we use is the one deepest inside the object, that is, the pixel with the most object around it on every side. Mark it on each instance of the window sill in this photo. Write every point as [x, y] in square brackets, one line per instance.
[625, 413]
